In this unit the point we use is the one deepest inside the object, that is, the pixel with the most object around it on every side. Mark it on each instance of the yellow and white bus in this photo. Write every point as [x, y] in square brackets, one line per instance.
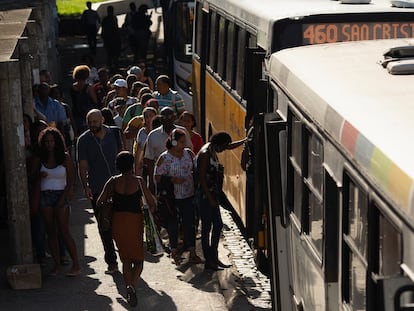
[232, 39]
[341, 176]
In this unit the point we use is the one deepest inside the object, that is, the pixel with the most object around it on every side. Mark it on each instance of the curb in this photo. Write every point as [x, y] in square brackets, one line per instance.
[245, 279]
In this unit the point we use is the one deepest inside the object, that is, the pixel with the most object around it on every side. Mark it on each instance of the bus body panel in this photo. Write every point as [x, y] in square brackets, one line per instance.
[197, 88]
[223, 109]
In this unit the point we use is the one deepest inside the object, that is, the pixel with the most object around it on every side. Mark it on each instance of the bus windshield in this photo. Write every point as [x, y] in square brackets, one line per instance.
[184, 31]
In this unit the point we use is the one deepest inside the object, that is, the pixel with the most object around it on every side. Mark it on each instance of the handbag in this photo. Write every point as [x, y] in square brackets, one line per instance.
[106, 208]
[152, 238]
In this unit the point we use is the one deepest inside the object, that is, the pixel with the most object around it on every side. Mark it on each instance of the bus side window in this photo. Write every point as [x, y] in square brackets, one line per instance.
[199, 30]
[231, 54]
[241, 53]
[222, 42]
[355, 244]
[295, 180]
[212, 60]
[389, 248]
[314, 212]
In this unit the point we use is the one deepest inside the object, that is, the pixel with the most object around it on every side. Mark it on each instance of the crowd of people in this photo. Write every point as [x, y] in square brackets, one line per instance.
[131, 141]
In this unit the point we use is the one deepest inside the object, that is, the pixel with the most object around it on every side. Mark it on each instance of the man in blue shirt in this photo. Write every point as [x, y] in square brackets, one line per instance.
[50, 108]
[97, 149]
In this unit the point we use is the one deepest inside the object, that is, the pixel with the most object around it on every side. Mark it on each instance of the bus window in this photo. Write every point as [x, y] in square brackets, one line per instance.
[252, 41]
[358, 219]
[389, 248]
[199, 30]
[221, 54]
[184, 31]
[241, 53]
[295, 167]
[314, 184]
[355, 240]
[231, 54]
[212, 60]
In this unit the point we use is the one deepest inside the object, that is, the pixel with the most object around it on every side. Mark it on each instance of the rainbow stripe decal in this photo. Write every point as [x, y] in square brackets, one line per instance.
[397, 184]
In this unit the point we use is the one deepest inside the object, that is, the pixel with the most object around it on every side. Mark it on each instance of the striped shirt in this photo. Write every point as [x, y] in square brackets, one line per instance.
[170, 99]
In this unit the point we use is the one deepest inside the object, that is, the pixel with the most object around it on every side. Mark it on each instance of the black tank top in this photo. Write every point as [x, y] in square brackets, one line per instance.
[127, 202]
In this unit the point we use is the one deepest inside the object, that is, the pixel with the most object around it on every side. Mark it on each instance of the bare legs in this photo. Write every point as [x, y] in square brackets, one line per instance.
[132, 270]
[63, 223]
[61, 215]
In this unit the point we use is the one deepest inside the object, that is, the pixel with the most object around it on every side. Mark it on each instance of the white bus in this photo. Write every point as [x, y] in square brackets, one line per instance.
[232, 39]
[341, 176]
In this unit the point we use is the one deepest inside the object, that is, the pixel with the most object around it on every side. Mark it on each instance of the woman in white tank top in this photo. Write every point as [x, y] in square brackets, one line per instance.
[57, 180]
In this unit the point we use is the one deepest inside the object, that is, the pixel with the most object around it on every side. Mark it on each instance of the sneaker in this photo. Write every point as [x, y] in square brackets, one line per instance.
[112, 268]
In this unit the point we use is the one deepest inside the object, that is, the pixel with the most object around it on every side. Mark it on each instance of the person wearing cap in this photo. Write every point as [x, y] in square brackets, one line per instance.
[167, 97]
[121, 90]
[135, 70]
[156, 141]
[111, 92]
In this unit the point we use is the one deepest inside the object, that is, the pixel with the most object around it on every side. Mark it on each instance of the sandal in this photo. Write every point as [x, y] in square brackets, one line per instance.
[176, 257]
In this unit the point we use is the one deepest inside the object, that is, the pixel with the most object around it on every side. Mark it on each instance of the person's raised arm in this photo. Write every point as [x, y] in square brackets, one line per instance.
[235, 144]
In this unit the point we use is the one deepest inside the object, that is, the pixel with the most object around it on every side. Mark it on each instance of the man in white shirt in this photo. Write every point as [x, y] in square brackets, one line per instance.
[156, 139]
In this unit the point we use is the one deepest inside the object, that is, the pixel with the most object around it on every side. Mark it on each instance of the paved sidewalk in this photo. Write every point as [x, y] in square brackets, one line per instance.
[163, 285]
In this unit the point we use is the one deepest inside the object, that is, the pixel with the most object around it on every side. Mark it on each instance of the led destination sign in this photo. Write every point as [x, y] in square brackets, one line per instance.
[340, 32]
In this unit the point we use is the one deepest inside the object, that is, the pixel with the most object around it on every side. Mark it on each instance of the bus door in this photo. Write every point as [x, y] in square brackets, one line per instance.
[275, 142]
[255, 92]
[256, 97]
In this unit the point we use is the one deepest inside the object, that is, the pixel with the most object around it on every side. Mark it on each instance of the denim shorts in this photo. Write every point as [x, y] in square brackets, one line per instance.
[49, 198]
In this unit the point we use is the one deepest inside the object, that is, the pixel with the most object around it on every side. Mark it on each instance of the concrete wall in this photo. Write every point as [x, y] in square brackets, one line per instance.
[28, 40]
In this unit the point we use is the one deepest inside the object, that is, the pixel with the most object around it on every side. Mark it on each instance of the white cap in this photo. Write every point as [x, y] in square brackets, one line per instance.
[120, 83]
